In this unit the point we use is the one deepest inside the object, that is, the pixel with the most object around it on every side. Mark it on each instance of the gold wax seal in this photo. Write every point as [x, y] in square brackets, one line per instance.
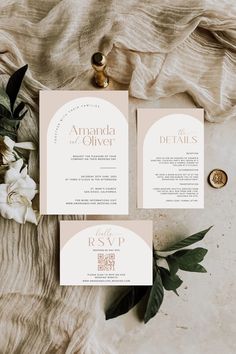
[99, 63]
[217, 178]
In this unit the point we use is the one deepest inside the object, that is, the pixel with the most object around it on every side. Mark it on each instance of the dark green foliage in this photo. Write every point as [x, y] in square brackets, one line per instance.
[10, 116]
[187, 260]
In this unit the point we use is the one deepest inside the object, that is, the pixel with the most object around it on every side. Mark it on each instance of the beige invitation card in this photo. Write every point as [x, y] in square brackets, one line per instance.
[84, 152]
[170, 145]
[106, 252]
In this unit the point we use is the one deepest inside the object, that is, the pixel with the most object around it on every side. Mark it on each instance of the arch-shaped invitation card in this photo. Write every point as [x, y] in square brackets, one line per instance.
[84, 152]
[106, 252]
[170, 158]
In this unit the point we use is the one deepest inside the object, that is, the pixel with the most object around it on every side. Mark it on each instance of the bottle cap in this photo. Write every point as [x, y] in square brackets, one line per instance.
[98, 59]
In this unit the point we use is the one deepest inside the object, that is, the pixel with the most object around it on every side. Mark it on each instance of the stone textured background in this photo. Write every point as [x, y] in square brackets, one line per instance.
[202, 318]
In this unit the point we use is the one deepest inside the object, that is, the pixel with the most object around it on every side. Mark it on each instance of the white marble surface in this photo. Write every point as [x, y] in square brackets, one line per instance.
[202, 319]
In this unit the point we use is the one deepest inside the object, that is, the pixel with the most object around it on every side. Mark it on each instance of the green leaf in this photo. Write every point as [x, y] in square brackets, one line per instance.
[18, 109]
[126, 301]
[170, 282]
[188, 241]
[23, 114]
[173, 264]
[198, 268]
[14, 84]
[193, 256]
[4, 113]
[155, 298]
[5, 132]
[9, 123]
[180, 253]
[9, 127]
[4, 99]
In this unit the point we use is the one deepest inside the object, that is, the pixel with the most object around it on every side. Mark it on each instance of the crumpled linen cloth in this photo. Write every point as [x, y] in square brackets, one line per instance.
[157, 48]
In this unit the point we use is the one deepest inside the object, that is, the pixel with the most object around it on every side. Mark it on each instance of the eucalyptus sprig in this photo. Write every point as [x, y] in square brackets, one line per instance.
[163, 278]
[11, 111]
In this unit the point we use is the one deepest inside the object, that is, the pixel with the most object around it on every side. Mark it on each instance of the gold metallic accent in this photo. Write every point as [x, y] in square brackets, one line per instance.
[217, 178]
[99, 63]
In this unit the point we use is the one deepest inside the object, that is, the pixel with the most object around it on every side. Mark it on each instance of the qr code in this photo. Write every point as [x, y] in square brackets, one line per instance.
[106, 262]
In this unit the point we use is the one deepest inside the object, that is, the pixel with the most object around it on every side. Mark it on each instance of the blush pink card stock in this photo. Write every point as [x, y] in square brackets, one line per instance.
[170, 158]
[106, 252]
[84, 152]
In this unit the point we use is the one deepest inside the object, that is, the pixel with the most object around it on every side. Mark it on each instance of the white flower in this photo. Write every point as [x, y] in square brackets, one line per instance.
[7, 153]
[16, 194]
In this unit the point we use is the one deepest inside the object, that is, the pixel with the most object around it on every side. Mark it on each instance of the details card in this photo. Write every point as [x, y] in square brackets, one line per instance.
[84, 152]
[170, 158]
[106, 252]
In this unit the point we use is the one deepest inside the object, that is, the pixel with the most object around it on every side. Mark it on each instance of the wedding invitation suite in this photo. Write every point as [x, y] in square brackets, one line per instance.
[84, 152]
[170, 158]
[106, 252]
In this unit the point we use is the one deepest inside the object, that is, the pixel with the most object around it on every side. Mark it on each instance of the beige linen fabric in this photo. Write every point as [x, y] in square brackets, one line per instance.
[157, 48]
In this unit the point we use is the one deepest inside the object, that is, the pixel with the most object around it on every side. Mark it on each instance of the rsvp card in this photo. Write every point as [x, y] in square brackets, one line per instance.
[84, 152]
[170, 158]
[106, 252]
